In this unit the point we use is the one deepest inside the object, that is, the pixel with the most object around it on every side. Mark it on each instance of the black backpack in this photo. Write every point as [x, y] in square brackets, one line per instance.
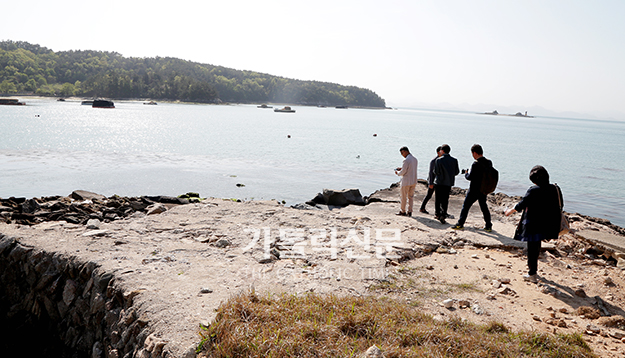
[489, 180]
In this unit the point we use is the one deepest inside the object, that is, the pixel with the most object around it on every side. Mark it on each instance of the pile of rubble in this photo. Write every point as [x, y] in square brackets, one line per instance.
[80, 206]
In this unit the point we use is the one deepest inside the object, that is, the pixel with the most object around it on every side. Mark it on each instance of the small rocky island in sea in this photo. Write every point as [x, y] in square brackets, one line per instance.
[518, 114]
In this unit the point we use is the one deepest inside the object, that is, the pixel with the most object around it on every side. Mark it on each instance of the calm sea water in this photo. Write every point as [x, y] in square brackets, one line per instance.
[52, 148]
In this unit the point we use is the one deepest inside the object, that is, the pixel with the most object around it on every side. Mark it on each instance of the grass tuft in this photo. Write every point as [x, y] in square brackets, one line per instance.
[311, 325]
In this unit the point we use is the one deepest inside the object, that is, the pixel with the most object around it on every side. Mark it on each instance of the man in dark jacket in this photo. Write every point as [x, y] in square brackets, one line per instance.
[431, 176]
[445, 169]
[475, 175]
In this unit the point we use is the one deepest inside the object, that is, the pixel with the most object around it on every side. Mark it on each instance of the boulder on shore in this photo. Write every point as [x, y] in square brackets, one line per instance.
[82, 195]
[339, 197]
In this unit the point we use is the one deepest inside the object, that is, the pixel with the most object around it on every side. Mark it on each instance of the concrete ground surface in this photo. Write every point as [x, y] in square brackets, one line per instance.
[186, 261]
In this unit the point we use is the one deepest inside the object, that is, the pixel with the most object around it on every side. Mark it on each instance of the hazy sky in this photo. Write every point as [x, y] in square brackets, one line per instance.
[560, 55]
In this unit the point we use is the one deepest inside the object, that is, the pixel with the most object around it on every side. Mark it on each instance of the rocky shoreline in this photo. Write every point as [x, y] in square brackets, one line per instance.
[154, 268]
[81, 206]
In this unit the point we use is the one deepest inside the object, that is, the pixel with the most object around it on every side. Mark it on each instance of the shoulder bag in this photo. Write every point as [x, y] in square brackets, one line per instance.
[564, 222]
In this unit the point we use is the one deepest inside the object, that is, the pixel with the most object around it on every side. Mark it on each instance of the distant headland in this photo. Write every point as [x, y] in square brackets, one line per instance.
[30, 69]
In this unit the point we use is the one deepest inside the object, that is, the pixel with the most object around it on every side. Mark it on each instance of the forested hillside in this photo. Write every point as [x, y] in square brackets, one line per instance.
[28, 68]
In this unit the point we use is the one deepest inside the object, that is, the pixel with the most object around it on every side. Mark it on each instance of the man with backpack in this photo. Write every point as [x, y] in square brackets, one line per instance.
[483, 178]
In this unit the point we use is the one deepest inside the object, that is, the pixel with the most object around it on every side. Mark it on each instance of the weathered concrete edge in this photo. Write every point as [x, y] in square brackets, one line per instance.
[609, 241]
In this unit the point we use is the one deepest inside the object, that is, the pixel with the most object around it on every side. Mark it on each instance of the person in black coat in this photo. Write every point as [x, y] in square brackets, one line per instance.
[445, 170]
[431, 176]
[541, 217]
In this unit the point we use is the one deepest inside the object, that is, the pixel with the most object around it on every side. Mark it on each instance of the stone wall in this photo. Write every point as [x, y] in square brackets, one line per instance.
[76, 300]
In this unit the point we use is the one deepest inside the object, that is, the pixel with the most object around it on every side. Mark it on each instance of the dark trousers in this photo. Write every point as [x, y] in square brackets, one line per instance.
[427, 198]
[533, 250]
[472, 197]
[441, 201]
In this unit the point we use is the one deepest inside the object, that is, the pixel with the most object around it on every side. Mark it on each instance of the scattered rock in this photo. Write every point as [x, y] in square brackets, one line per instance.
[222, 243]
[373, 352]
[592, 329]
[82, 195]
[616, 334]
[156, 209]
[506, 291]
[556, 322]
[264, 259]
[442, 250]
[477, 309]
[428, 248]
[588, 312]
[305, 206]
[30, 206]
[464, 304]
[93, 224]
[617, 321]
[95, 233]
[190, 196]
[206, 290]
[448, 303]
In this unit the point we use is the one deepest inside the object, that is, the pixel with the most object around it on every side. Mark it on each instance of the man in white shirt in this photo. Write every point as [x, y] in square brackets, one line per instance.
[408, 174]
